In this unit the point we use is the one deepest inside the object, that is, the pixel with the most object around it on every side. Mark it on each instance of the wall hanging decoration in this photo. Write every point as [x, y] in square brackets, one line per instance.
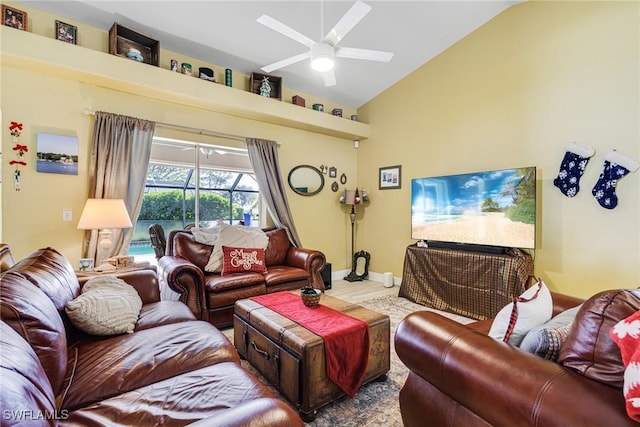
[56, 153]
[16, 128]
[572, 167]
[615, 167]
[390, 178]
[258, 84]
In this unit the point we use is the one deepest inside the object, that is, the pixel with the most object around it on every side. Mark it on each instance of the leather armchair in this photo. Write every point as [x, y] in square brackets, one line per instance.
[211, 297]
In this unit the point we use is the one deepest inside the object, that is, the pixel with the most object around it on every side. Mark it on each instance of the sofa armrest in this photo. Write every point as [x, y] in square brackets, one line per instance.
[309, 260]
[256, 413]
[562, 302]
[187, 279]
[144, 281]
[500, 383]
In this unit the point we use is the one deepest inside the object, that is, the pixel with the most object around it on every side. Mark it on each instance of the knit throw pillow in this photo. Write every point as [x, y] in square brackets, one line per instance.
[106, 306]
[242, 260]
[626, 334]
[533, 308]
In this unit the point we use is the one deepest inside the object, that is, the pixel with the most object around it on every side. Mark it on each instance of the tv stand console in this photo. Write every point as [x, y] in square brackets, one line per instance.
[471, 284]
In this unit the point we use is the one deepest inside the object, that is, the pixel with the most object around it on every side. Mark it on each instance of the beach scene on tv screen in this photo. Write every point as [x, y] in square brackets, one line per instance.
[495, 208]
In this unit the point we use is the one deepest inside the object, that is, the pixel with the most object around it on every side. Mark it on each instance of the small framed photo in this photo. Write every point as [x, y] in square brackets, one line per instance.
[85, 264]
[66, 32]
[14, 18]
[333, 172]
[390, 177]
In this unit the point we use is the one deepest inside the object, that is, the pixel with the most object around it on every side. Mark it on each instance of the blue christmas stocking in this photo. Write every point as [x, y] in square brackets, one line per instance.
[572, 167]
[615, 167]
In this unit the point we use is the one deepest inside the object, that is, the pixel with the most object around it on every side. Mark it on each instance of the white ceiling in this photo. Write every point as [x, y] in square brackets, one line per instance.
[226, 33]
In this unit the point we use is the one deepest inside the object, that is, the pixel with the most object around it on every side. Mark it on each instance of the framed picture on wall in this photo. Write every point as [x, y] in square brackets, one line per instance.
[390, 177]
[57, 153]
[66, 32]
[14, 18]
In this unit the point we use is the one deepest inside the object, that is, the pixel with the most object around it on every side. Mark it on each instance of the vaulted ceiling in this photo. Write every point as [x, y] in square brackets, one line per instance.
[226, 33]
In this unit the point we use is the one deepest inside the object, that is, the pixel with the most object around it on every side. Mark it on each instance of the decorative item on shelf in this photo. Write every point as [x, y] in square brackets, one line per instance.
[123, 39]
[318, 107]
[15, 129]
[258, 81]
[337, 112]
[85, 264]
[310, 296]
[354, 117]
[206, 74]
[390, 177]
[360, 263]
[265, 88]
[186, 68]
[104, 215]
[135, 54]
[14, 18]
[298, 100]
[228, 77]
[66, 32]
[174, 65]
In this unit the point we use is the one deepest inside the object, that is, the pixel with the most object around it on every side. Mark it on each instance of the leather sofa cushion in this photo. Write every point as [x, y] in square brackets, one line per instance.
[216, 283]
[26, 309]
[163, 313]
[110, 366]
[25, 386]
[278, 246]
[589, 350]
[284, 274]
[178, 400]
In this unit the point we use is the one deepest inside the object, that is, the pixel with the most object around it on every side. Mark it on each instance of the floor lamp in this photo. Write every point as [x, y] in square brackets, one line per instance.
[352, 197]
[104, 215]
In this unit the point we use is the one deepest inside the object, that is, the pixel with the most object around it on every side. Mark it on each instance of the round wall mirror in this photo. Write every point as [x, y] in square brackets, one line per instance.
[306, 180]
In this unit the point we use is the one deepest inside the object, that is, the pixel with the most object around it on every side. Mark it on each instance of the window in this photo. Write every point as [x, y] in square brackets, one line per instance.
[174, 196]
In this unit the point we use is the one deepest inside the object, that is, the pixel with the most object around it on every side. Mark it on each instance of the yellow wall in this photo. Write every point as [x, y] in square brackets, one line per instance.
[32, 217]
[515, 93]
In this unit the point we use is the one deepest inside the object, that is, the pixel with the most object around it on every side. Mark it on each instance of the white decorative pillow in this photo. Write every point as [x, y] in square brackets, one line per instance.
[237, 236]
[206, 236]
[107, 306]
[533, 308]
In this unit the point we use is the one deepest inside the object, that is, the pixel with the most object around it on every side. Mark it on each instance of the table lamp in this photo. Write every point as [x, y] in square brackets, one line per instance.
[103, 215]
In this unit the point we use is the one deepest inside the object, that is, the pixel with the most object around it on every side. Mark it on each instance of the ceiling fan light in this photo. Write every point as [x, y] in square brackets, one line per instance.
[322, 57]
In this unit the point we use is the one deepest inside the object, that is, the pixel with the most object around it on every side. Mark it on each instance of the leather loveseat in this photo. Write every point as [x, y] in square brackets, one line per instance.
[211, 296]
[459, 376]
[172, 370]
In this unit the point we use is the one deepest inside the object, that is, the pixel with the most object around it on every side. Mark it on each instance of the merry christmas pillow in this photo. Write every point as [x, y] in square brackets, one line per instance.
[242, 260]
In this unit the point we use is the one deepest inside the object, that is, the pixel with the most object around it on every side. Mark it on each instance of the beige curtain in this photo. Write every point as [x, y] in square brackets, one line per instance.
[263, 155]
[118, 169]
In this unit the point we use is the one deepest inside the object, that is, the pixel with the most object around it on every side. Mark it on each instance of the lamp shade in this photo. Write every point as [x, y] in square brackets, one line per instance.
[104, 213]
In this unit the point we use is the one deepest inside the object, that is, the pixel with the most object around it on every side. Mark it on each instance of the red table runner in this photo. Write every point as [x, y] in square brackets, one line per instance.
[346, 339]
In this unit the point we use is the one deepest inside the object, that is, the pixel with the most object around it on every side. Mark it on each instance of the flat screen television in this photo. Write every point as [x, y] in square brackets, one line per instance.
[485, 211]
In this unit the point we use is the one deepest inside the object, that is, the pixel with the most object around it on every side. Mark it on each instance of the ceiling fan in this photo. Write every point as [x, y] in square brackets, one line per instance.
[322, 53]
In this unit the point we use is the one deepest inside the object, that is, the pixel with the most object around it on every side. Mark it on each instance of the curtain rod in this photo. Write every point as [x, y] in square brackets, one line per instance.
[89, 112]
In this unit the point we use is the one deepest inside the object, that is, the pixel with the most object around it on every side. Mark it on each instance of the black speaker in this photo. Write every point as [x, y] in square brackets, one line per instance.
[326, 275]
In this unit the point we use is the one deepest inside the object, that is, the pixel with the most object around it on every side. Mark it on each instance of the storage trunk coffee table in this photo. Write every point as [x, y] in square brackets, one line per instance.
[292, 358]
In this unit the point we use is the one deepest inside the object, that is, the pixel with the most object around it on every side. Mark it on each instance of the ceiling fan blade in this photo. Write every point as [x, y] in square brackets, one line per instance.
[329, 78]
[366, 54]
[285, 62]
[278, 26]
[350, 19]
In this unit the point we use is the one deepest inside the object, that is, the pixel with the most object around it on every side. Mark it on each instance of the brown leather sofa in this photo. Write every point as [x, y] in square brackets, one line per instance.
[211, 296]
[172, 370]
[459, 376]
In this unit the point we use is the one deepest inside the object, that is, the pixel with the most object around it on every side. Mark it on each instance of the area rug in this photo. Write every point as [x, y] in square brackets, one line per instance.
[376, 403]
